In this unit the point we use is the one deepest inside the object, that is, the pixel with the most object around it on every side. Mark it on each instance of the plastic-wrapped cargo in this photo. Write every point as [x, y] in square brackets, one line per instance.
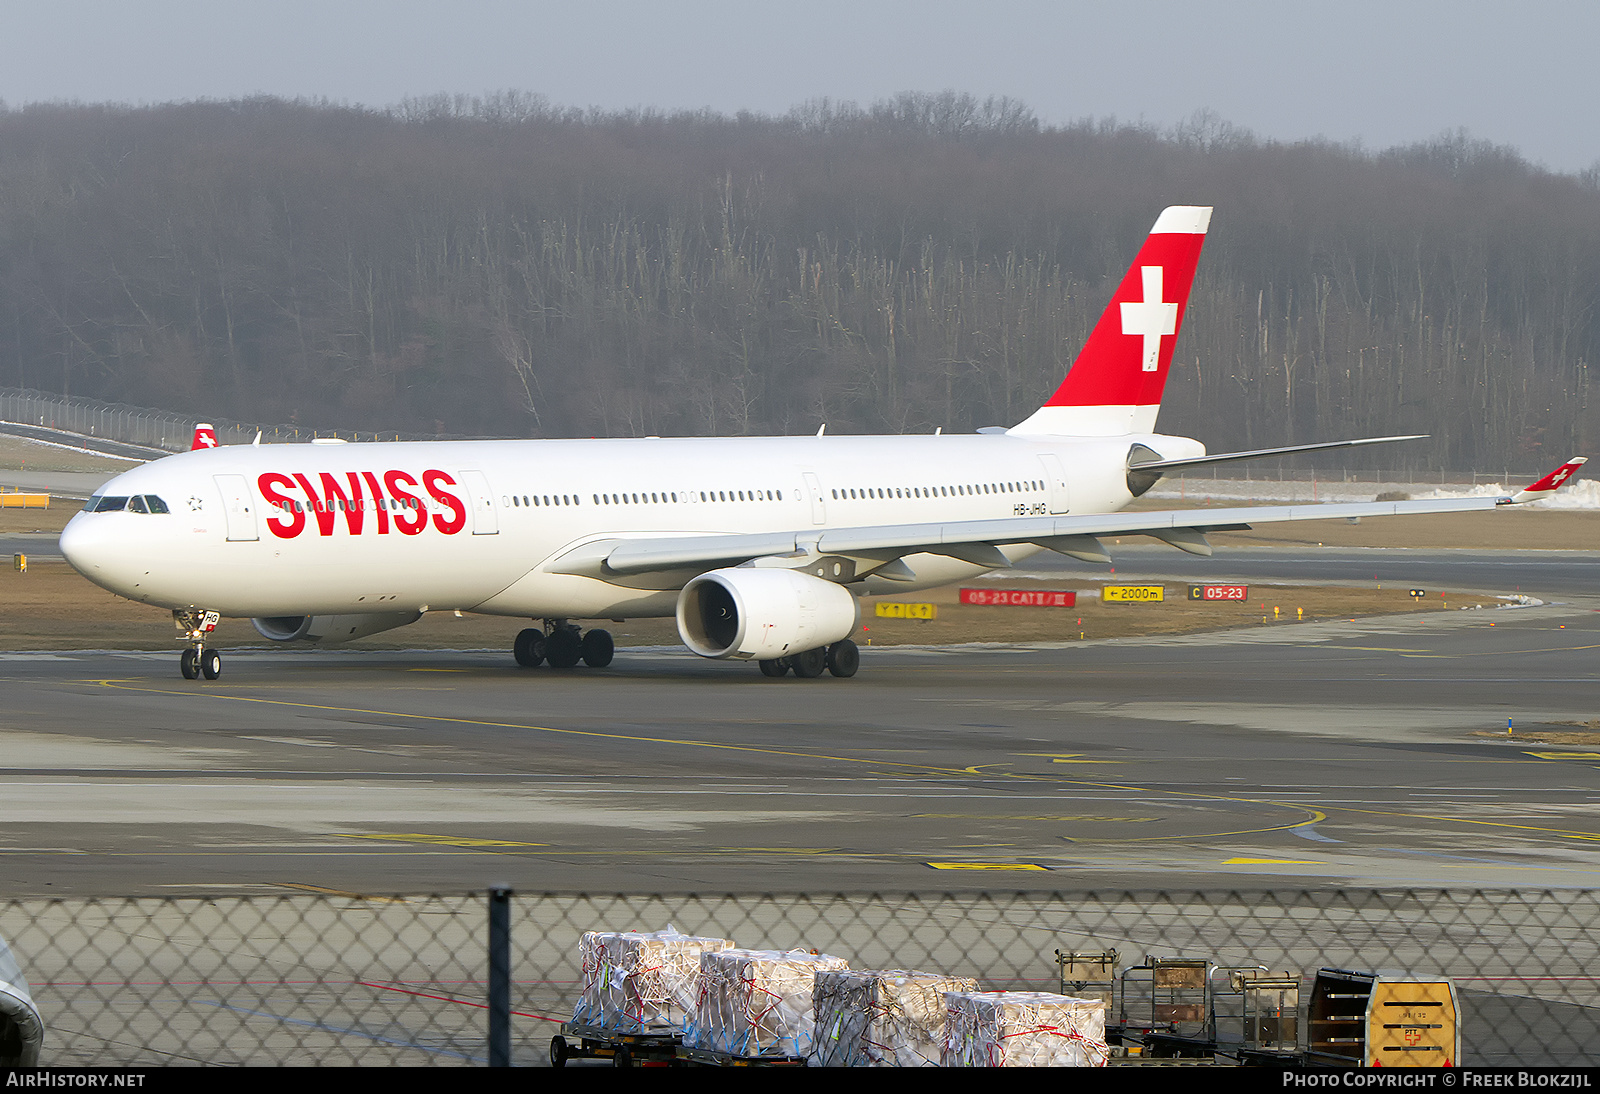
[757, 1002]
[1023, 1029]
[882, 1018]
[635, 982]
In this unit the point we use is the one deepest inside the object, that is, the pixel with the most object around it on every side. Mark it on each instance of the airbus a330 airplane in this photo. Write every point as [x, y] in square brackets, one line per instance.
[759, 545]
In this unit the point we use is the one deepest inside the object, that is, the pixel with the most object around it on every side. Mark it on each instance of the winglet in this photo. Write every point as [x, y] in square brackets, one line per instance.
[1551, 482]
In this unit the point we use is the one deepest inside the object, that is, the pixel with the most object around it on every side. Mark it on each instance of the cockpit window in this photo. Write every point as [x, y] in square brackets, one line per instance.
[142, 503]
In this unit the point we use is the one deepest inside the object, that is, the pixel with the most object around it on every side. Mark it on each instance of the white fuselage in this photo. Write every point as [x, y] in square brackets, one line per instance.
[475, 525]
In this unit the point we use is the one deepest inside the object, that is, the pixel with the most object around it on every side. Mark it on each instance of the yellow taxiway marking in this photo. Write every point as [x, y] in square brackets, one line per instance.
[1317, 817]
[1059, 818]
[1565, 833]
[438, 841]
[1075, 760]
[341, 892]
[987, 866]
[442, 719]
[1566, 755]
[896, 767]
[1475, 653]
[778, 850]
[1269, 862]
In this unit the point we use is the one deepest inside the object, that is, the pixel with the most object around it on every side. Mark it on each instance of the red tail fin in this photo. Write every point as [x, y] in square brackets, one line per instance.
[1115, 384]
[205, 436]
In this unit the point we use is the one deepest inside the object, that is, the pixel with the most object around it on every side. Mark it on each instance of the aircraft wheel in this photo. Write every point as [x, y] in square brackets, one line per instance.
[810, 664]
[189, 665]
[598, 649]
[774, 668]
[210, 664]
[528, 649]
[844, 657]
[563, 649]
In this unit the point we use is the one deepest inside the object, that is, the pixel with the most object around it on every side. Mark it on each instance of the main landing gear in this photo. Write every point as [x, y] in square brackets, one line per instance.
[562, 646]
[196, 660]
[842, 659]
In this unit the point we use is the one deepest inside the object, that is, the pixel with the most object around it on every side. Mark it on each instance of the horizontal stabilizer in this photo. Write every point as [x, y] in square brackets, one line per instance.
[1259, 453]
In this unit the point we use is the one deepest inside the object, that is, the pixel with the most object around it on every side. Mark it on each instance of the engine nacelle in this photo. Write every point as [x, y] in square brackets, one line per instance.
[749, 613]
[330, 630]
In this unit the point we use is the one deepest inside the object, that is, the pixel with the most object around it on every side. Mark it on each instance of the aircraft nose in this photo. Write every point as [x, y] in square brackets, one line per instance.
[88, 545]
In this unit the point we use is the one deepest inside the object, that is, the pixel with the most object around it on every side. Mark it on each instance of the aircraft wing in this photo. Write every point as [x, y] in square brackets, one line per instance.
[977, 541]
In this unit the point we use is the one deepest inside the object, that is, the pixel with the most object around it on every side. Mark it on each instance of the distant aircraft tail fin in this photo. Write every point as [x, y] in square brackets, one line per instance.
[205, 436]
[1115, 385]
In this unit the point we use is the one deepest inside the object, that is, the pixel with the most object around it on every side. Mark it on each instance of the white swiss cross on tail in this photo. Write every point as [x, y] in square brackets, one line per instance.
[1150, 320]
[1115, 383]
[205, 436]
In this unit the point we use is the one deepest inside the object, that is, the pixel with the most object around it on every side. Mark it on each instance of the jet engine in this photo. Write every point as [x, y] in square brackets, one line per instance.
[747, 613]
[330, 630]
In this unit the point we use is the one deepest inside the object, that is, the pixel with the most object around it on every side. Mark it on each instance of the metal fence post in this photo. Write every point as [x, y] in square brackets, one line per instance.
[499, 977]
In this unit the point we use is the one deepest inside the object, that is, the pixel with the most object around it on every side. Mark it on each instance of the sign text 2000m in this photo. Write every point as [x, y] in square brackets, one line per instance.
[1139, 593]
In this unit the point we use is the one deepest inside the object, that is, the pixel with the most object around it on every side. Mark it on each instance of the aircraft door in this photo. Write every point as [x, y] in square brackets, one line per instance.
[819, 512]
[485, 520]
[1056, 482]
[239, 507]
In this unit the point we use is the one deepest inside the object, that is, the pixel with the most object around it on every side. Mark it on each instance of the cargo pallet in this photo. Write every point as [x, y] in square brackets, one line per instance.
[622, 1049]
[632, 1049]
[706, 1057]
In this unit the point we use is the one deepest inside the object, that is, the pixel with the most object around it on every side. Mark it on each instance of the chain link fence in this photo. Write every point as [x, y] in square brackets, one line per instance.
[160, 430]
[325, 979]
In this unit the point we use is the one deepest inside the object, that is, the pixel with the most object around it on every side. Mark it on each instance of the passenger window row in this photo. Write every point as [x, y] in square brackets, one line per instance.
[965, 490]
[663, 497]
[345, 505]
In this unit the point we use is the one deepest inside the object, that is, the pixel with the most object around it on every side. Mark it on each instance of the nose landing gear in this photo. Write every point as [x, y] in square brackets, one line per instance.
[196, 660]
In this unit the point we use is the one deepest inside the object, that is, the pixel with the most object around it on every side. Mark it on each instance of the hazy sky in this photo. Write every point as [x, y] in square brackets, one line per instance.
[1383, 72]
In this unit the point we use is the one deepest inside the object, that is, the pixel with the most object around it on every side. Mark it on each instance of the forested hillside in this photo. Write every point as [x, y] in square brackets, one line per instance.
[501, 266]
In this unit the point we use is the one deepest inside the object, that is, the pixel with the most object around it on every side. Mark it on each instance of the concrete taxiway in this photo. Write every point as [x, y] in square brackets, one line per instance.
[1366, 753]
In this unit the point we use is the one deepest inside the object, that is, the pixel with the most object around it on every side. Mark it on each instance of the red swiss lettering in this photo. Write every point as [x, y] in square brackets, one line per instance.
[293, 520]
[458, 520]
[380, 504]
[322, 509]
[350, 506]
[411, 519]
